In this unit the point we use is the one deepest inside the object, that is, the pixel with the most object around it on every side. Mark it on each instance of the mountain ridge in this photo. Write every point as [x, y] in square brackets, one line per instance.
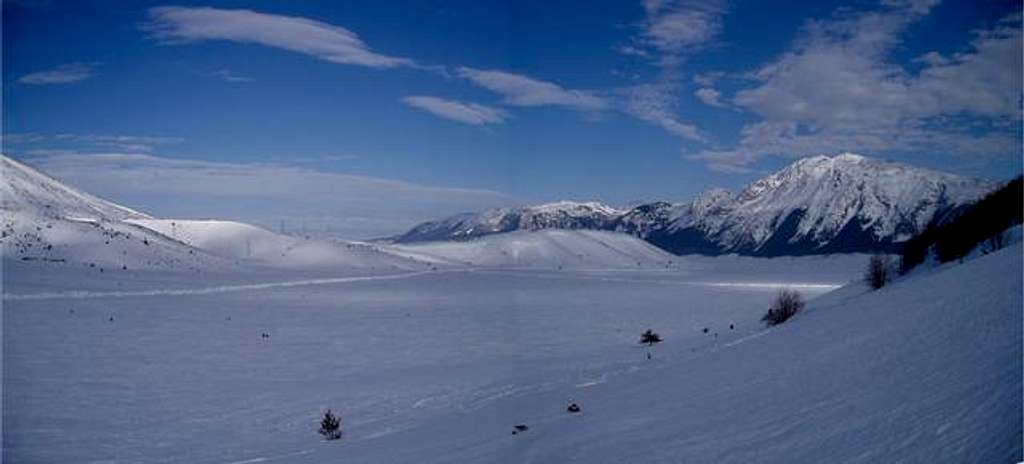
[816, 205]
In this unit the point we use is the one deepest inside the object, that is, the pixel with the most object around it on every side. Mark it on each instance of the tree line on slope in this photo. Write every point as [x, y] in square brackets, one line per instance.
[983, 223]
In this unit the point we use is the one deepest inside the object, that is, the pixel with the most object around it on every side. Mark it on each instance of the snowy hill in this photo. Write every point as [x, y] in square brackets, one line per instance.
[550, 249]
[841, 204]
[247, 243]
[44, 221]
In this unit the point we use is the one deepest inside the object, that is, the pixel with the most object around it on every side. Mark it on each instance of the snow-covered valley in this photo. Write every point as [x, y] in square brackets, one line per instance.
[133, 339]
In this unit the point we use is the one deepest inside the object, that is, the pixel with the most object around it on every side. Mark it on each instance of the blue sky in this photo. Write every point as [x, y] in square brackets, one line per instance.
[387, 113]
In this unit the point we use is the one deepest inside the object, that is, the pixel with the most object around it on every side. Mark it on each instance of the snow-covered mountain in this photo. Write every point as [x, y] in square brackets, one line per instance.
[817, 205]
[559, 215]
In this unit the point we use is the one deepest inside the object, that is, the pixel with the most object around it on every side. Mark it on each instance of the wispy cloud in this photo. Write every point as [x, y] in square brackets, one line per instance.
[836, 89]
[227, 75]
[331, 203]
[63, 74]
[656, 104]
[465, 112]
[674, 28]
[65, 141]
[709, 96]
[336, 44]
[670, 32]
[520, 90]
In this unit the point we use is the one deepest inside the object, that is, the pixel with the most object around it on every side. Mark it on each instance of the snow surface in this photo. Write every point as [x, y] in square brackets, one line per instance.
[438, 366]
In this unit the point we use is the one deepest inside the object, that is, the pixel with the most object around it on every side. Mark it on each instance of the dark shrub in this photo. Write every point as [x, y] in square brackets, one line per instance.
[650, 338]
[330, 426]
[787, 303]
[877, 274]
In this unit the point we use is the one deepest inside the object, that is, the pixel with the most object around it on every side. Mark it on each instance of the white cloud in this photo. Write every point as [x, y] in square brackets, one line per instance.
[520, 90]
[836, 89]
[655, 104]
[175, 24]
[673, 28]
[465, 112]
[709, 96]
[330, 203]
[708, 79]
[63, 74]
[227, 76]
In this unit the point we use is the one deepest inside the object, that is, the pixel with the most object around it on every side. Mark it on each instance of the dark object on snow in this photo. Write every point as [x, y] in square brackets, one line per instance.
[705, 330]
[649, 337]
[111, 318]
[265, 335]
[519, 428]
[731, 327]
[330, 426]
[573, 408]
[877, 274]
[648, 355]
[787, 303]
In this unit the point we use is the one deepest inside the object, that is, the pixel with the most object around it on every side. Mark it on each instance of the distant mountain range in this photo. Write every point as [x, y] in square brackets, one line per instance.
[819, 205]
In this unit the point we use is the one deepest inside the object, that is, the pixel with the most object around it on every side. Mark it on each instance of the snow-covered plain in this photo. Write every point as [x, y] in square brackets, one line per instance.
[438, 365]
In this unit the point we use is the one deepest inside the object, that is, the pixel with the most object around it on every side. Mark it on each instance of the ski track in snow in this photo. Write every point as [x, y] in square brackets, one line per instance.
[78, 294]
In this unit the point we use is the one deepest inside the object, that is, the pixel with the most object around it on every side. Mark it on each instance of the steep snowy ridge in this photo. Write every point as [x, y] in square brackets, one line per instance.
[844, 203]
[45, 222]
[25, 189]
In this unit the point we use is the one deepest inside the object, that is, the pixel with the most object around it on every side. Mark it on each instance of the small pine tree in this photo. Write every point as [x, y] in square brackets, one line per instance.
[330, 426]
[877, 274]
[650, 338]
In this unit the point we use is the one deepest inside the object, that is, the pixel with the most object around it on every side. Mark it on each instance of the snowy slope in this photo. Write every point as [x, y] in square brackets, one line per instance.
[845, 203]
[47, 223]
[551, 249]
[925, 370]
[244, 242]
[25, 189]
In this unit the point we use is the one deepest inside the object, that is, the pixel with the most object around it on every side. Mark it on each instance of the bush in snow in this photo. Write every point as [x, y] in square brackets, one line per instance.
[877, 274]
[330, 426]
[649, 337]
[787, 303]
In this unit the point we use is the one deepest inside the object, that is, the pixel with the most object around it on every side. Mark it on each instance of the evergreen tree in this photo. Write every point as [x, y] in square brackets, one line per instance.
[330, 426]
